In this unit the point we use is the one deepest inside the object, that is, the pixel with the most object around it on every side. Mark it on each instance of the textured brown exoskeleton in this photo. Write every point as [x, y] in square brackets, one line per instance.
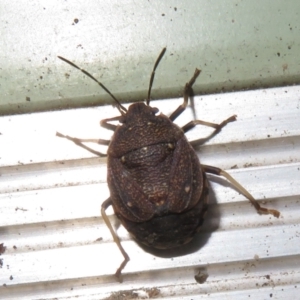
[158, 188]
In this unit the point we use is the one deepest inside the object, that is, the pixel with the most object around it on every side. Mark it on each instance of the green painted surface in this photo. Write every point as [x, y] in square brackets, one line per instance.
[237, 44]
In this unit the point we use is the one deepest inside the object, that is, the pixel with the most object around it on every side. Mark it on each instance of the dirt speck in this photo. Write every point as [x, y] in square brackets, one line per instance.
[149, 293]
[2, 248]
[75, 21]
[201, 276]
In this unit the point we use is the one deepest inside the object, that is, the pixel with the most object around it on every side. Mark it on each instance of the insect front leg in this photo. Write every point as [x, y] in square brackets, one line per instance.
[242, 190]
[186, 94]
[105, 123]
[104, 206]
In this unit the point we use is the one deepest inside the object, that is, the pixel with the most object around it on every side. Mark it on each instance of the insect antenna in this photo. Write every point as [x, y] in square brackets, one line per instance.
[120, 107]
[153, 73]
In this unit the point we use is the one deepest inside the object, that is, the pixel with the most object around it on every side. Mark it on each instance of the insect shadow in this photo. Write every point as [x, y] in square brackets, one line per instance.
[158, 187]
[211, 224]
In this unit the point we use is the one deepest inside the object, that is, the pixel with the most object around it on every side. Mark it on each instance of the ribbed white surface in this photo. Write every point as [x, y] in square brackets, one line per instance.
[58, 246]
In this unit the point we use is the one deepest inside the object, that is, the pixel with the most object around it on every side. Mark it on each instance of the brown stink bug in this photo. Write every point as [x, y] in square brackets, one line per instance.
[158, 188]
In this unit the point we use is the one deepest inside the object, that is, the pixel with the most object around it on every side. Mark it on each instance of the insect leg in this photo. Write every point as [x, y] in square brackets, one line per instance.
[242, 190]
[79, 142]
[186, 94]
[104, 206]
[218, 128]
[104, 123]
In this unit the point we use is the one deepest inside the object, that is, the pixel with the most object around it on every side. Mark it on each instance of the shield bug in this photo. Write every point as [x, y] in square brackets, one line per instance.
[158, 187]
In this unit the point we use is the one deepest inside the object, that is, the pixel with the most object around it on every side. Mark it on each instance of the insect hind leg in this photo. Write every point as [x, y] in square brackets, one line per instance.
[104, 206]
[261, 210]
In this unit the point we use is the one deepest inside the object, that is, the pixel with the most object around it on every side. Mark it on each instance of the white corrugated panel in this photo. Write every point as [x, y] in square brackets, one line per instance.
[58, 247]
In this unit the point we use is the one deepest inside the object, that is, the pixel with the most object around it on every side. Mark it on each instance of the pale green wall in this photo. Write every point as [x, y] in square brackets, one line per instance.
[237, 44]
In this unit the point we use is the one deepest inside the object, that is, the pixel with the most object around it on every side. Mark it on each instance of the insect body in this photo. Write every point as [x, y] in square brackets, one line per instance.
[155, 179]
[158, 188]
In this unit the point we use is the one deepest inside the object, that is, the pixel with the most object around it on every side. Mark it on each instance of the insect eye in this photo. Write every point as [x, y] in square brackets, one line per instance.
[154, 110]
[122, 119]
